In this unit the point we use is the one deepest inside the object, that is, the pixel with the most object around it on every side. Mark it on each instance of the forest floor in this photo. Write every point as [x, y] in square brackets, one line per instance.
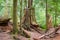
[52, 34]
[6, 36]
[35, 34]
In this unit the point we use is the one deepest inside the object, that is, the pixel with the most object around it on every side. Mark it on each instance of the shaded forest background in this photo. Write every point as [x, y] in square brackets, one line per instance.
[53, 8]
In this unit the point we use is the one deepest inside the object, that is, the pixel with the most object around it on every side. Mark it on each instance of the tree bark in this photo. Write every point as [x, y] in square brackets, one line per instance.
[30, 3]
[20, 12]
[46, 15]
[15, 29]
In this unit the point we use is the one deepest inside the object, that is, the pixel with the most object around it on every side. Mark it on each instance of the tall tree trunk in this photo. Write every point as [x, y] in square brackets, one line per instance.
[32, 11]
[20, 12]
[15, 29]
[21, 16]
[56, 7]
[48, 18]
[46, 15]
[55, 19]
[30, 3]
[30, 6]
[26, 19]
[27, 16]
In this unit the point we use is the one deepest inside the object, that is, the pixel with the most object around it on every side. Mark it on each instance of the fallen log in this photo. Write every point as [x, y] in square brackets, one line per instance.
[49, 32]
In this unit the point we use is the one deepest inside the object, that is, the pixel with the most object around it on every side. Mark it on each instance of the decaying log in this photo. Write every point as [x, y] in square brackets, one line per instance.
[7, 28]
[5, 25]
[4, 21]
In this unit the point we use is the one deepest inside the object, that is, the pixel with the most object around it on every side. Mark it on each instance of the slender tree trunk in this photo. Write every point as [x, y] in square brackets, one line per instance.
[20, 12]
[56, 7]
[15, 29]
[21, 16]
[48, 18]
[46, 15]
[55, 19]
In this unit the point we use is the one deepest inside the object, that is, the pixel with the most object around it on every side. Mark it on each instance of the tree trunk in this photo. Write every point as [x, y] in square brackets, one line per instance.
[46, 15]
[20, 12]
[31, 12]
[27, 16]
[15, 29]
[21, 16]
[56, 7]
[48, 18]
[26, 19]
[30, 6]
[30, 3]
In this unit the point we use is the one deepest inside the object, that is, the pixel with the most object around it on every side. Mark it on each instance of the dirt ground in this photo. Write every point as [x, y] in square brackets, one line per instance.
[33, 36]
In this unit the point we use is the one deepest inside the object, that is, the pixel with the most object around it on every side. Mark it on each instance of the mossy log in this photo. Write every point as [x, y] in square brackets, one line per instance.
[4, 21]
